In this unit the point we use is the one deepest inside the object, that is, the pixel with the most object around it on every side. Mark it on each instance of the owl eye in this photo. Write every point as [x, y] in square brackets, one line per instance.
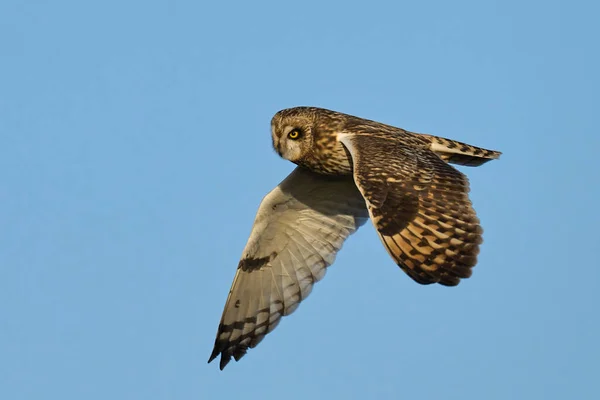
[295, 134]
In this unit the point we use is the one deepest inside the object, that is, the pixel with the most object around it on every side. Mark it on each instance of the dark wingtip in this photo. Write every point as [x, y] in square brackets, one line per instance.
[214, 355]
[224, 359]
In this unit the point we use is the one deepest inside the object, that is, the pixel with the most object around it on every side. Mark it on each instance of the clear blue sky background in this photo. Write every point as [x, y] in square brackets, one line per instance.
[135, 149]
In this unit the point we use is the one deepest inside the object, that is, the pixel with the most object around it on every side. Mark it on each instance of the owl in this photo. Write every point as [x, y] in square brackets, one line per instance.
[349, 170]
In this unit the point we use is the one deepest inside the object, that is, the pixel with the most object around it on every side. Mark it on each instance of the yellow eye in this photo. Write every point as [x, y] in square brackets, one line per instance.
[295, 134]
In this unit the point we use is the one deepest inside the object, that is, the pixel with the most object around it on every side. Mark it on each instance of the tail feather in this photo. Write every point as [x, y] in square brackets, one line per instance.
[460, 153]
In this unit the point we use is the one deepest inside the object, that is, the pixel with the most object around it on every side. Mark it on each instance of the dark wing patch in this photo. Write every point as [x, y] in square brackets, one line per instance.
[420, 207]
[251, 264]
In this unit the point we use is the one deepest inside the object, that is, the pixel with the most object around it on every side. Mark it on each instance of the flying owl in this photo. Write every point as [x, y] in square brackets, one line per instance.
[349, 170]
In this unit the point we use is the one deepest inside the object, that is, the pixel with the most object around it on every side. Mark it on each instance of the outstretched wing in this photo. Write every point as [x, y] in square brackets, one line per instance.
[419, 205]
[299, 228]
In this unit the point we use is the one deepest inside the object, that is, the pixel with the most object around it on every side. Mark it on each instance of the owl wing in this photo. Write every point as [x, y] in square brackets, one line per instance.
[299, 228]
[419, 205]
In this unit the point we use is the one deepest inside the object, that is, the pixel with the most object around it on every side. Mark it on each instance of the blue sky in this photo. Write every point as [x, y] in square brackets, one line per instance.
[135, 149]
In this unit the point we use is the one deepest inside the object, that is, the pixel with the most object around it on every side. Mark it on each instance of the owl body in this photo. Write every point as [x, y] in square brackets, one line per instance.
[318, 147]
[400, 180]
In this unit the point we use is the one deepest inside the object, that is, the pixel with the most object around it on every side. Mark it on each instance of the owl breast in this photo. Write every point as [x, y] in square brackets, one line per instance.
[328, 156]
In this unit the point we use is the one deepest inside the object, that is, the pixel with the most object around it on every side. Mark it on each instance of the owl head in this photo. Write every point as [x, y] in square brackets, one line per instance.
[307, 136]
[292, 132]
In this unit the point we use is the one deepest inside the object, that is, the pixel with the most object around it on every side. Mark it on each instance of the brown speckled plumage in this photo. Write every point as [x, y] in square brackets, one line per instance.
[350, 169]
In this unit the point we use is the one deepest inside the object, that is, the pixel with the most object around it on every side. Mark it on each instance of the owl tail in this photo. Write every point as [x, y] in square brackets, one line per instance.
[460, 153]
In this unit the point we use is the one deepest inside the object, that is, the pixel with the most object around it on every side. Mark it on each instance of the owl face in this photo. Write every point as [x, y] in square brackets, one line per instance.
[292, 137]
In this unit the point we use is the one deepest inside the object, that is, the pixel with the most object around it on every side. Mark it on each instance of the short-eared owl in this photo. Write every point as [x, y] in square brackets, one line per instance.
[349, 169]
